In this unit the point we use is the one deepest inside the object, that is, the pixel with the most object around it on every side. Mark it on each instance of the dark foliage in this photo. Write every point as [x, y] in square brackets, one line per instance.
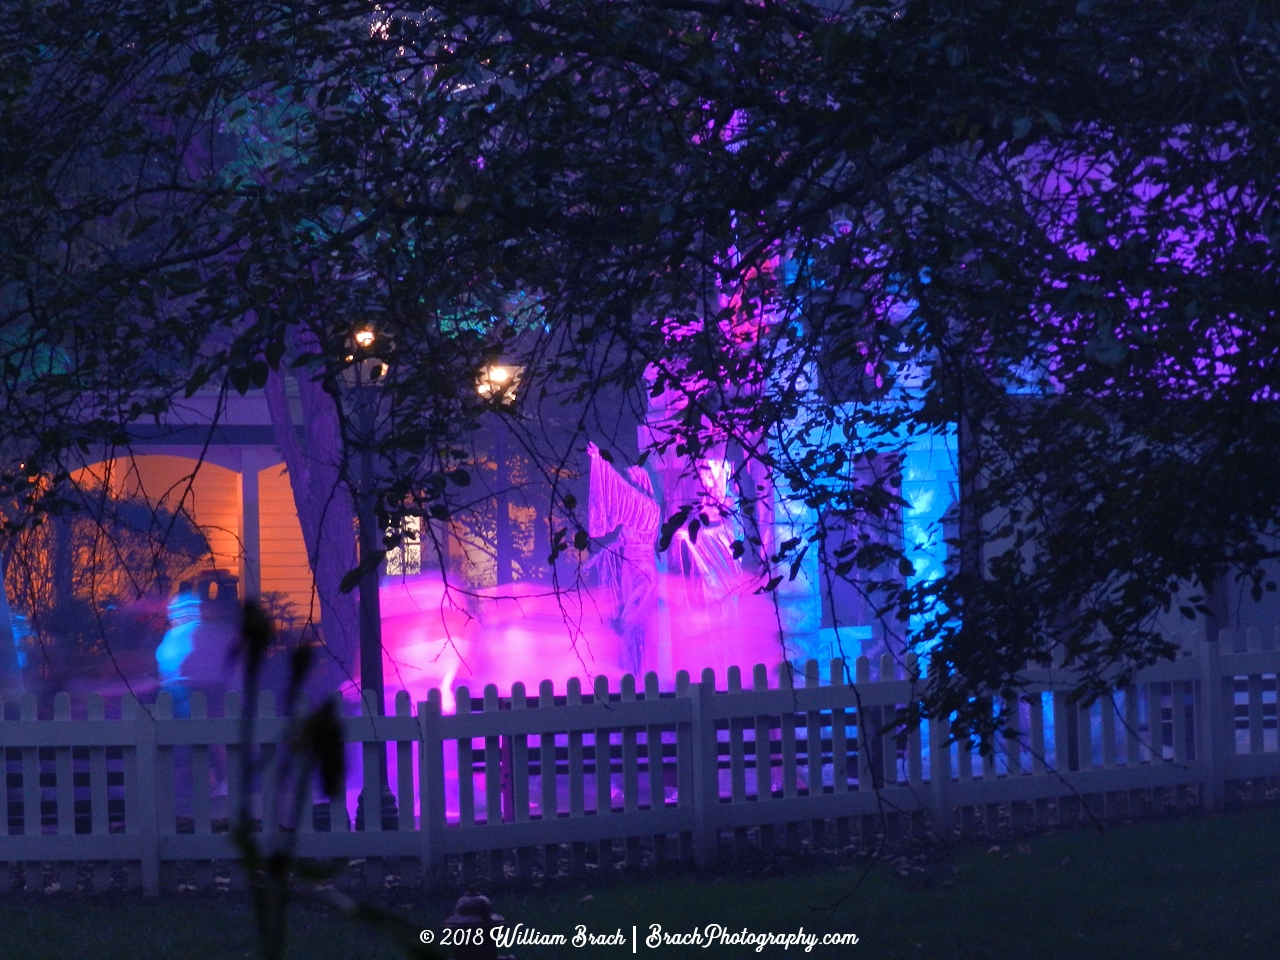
[816, 229]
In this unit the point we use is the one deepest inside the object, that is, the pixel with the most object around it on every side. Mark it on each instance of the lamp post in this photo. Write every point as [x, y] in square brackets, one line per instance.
[498, 383]
[363, 377]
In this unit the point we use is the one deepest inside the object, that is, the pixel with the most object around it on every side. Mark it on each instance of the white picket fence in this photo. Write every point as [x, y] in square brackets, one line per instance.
[586, 777]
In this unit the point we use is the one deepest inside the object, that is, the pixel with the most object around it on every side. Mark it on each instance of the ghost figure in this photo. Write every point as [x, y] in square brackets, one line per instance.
[176, 647]
[712, 549]
[625, 506]
[702, 489]
[204, 622]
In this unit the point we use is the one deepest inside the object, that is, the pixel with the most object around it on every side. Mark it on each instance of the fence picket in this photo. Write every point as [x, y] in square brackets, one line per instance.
[431, 789]
[1255, 713]
[496, 784]
[787, 734]
[737, 727]
[404, 769]
[603, 767]
[1036, 715]
[577, 778]
[1153, 702]
[655, 765]
[888, 734]
[66, 815]
[99, 817]
[991, 812]
[1061, 732]
[466, 765]
[1064, 716]
[1107, 704]
[548, 775]
[493, 785]
[519, 772]
[915, 757]
[684, 767]
[1178, 702]
[706, 766]
[201, 813]
[1084, 734]
[1109, 710]
[630, 771]
[1013, 744]
[517, 775]
[940, 789]
[231, 711]
[31, 826]
[787, 741]
[814, 762]
[1039, 758]
[1132, 739]
[630, 753]
[1216, 726]
[862, 684]
[762, 745]
[164, 790]
[737, 746]
[839, 735]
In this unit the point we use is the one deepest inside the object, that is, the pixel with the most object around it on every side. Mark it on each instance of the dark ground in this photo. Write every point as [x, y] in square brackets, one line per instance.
[1188, 886]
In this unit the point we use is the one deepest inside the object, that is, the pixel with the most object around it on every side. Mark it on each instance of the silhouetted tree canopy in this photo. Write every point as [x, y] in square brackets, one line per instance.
[820, 227]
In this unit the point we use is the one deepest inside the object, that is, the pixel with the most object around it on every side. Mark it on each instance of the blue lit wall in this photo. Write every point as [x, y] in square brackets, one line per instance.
[929, 484]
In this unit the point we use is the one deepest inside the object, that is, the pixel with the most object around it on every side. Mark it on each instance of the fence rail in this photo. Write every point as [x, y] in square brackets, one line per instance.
[590, 776]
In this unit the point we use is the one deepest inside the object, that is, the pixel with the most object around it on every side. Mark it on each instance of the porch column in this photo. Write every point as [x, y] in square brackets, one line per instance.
[251, 461]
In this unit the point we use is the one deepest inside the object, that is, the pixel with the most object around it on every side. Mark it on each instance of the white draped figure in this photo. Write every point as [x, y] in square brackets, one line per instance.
[624, 506]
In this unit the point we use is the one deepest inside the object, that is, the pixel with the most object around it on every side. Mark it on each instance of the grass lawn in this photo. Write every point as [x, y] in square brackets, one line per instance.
[1204, 887]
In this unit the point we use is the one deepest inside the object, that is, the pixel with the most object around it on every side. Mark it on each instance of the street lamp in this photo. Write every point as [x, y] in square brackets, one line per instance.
[498, 383]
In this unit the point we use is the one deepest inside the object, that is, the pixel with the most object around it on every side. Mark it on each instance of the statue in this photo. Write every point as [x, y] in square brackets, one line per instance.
[624, 509]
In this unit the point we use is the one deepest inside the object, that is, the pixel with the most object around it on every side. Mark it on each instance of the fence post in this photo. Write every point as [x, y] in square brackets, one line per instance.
[431, 790]
[1216, 715]
[142, 820]
[373, 757]
[706, 771]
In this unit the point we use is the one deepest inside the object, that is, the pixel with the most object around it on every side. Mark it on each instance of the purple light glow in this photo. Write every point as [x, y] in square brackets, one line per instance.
[433, 638]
